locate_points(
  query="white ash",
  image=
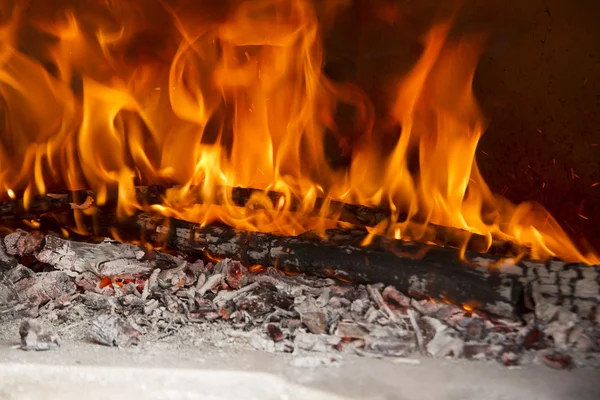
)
(34, 337)
(315, 361)
(318, 320)
(113, 330)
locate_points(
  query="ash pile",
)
(124, 295)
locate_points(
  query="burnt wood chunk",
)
(105, 259)
(418, 270)
(12, 211)
(496, 286)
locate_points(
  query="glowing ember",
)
(123, 93)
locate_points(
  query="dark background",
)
(538, 82)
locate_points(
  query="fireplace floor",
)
(119, 318)
(175, 370)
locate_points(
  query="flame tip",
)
(244, 102)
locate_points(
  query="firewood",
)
(436, 274)
(357, 215)
(418, 269)
(482, 282)
(16, 209)
(107, 259)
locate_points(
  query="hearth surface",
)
(179, 369)
(105, 303)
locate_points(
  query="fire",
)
(118, 94)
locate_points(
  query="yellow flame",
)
(118, 94)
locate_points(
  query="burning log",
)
(357, 215)
(420, 270)
(65, 201)
(107, 259)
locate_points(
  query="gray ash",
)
(121, 295)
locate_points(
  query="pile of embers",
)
(123, 294)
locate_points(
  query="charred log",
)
(65, 201)
(357, 215)
(484, 282)
(420, 270)
(106, 259)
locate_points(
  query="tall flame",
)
(114, 94)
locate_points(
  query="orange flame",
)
(114, 94)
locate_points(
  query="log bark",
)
(363, 216)
(106, 259)
(340, 257)
(65, 201)
(16, 210)
(360, 216)
(496, 286)
(484, 282)
(417, 269)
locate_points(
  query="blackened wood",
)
(363, 216)
(357, 215)
(483, 282)
(64, 201)
(105, 259)
(497, 286)
(419, 270)
(15, 209)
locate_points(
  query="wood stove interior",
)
(538, 81)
